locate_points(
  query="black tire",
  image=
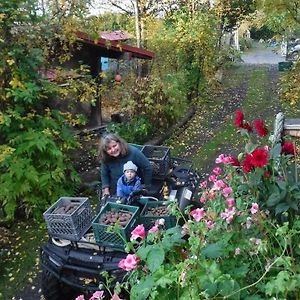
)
(54, 289)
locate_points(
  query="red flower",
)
(288, 148)
(239, 119)
(247, 163)
(259, 157)
(234, 161)
(260, 127)
(248, 127)
(267, 174)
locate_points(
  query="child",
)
(129, 181)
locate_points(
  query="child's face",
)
(129, 174)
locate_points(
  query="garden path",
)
(248, 86)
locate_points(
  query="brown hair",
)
(103, 145)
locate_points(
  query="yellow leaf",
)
(10, 61)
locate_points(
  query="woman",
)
(114, 152)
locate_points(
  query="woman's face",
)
(113, 149)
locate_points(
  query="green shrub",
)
(137, 130)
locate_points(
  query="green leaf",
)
(275, 151)
(281, 184)
(296, 195)
(142, 289)
(155, 258)
(227, 286)
(213, 251)
(143, 252)
(253, 297)
(250, 147)
(294, 206)
(172, 237)
(281, 207)
(279, 284)
(273, 199)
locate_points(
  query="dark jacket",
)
(125, 187)
(113, 170)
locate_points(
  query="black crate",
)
(108, 238)
(149, 220)
(160, 159)
(70, 226)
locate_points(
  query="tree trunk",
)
(138, 33)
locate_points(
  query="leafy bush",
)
(242, 244)
(36, 139)
(136, 130)
(290, 86)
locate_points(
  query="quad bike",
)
(70, 268)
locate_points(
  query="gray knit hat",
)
(130, 166)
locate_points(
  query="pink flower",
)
(230, 202)
(209, 224)
(138, 232)
(153, 229)
(203, 184)
(211, 195)
(98, 295)
(115, 297)
(198, 214)
(227, 160)
(121, 265)
(219, 184)
(229, 219)
(220, 159)
(228, 214)
(227, 191)
(217, 171)
(81, 297)
(212, 178)
(129, 263)
(254, 208)
(202, 200)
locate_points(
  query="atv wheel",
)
(53, 289)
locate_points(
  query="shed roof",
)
(116, 47)
(117, 35)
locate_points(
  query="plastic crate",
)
(160, 159)
(109, 238)
(69, 226)
(149, 220)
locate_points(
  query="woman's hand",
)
(105, 191)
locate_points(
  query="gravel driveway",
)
(258, 56)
